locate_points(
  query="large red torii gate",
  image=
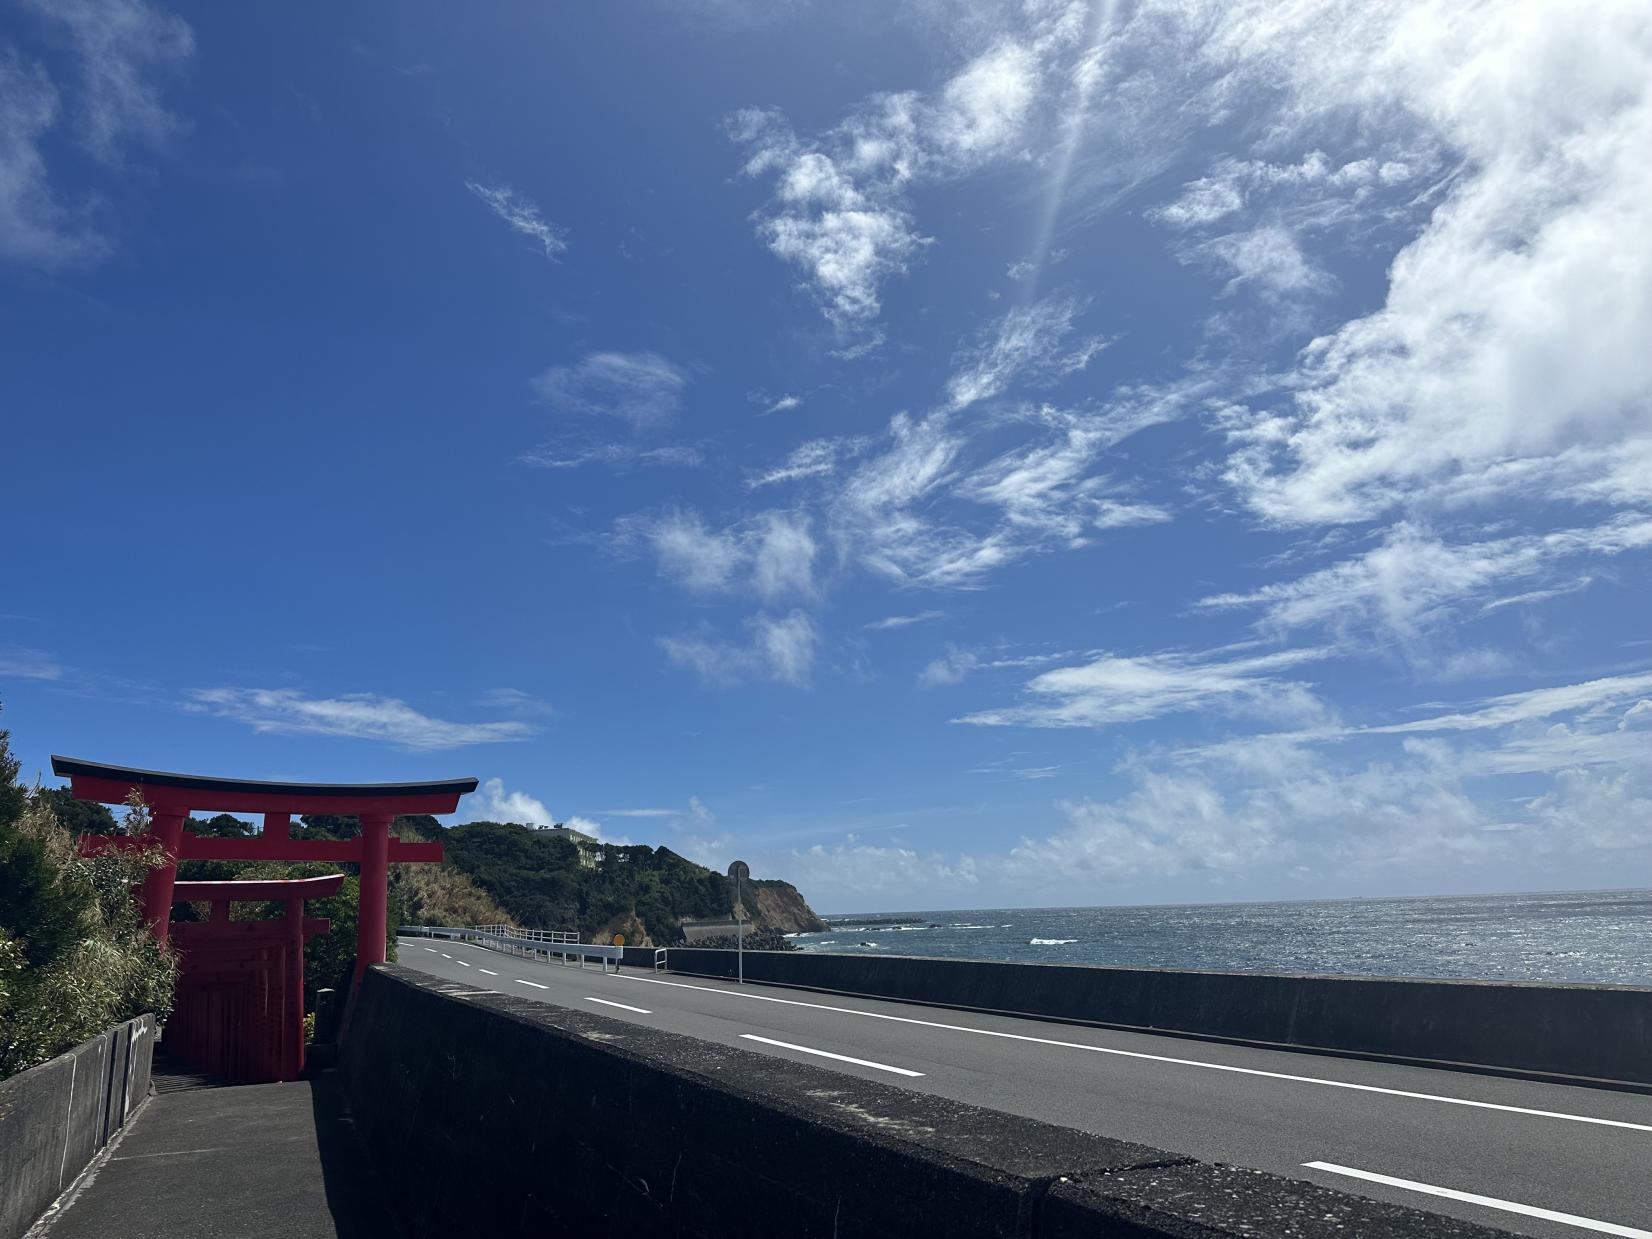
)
(171, 798)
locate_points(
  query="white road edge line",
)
(842, 1058)
(535, 984)
(490, 972)
(1491, 1202)
(1157, 1058)
(622, 1006)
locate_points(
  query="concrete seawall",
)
(1589, 1032)
(54, 1118)
(491, 1114)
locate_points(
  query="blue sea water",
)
(1600, 936)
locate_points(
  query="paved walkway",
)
(221, 1163)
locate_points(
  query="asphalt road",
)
(1534, 1158)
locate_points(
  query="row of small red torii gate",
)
(239, 1010)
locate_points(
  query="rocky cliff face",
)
(781, 906)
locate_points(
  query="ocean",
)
(1600, 936)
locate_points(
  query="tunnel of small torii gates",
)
(240, 1009)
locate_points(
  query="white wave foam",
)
(1051, 941)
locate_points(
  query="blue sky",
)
(947, 455)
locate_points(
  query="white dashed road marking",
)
(1491, 1202)
(842, 1058)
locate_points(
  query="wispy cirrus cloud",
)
(1415, 579)
(890, 622)
(781, 648)
(522, 216)
(1029, 343)
(1590, 696)
(21, 663)
(840, 210)
(619, 456)
(1111, 690)
(817, 458)
(124, 51)
(642, 389)
(361, 716)
(772, 555)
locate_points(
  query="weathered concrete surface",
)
(496, 1115)
(55, 1117)
(234, 1163)
(1589, 1032)
(1202, 1201)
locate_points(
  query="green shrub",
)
(75, 956)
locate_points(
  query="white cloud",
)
(772, 555)
(1515, 324)
(858, 872)
(35, 228)
(846, 238)
(522, 216)
(19, 663)
(840, 209)
(514, 700)
(1414, 579)
(643, 389)
(1029, 342)
(1204, 201)
(890, 622)
(121, 46)
(784, 405)
(984, 109)
(697, 558)
(1510, 708)
(1111, 690)
(951, 669)
(361, 716)
(780, 648)
(783, 562)
(815, 458)
(1268, 258)
(492, 803)
(786, 646)
(621, 456)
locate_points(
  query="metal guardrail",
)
(532, 935)
(566, 946)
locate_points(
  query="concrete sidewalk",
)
(220, 1163)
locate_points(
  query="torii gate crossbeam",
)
(172, 797)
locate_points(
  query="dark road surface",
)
(1535, 1158)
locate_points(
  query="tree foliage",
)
(74, 955)
(550, 881)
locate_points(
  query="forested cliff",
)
(551, 879)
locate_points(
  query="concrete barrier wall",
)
(55, 1117)
(1596, 1032)
(491, 1114)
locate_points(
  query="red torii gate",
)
(240, 1001)
(171, 797)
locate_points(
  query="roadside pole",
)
(738, 872)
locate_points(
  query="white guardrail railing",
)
(526, 943)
